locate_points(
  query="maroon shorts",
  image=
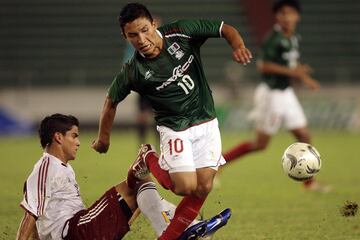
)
(106, 219)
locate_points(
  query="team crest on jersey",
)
(179, 54)
(175, 49)
(148, 74)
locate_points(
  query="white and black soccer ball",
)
(301, 161)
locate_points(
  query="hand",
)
(311, 83)
(301, 71)
(100, 146)
(242, 55)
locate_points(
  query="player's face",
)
(141, 33)
(287, 17)
(71, 143)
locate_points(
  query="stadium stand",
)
(331, 39)
(52, 43)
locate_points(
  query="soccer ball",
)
(301, 161)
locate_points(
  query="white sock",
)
(156, 209)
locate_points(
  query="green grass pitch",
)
(265, 203)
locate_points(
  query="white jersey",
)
(51, 194)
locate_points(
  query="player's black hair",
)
(132, 11)
(53, 124)
(291, 3)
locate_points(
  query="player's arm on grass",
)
(301, 72)
(102, 143)
(27, 229)
(240, 53)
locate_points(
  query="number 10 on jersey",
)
(186, 84)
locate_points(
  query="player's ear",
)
(157, 21)
(122, 30)
(58, 137)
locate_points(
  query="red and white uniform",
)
(51, 194)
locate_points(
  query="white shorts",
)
(196, 147)
(274, 107)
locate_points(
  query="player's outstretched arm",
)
(102, 143)
(301, 72)
(27, 229)
(240, 53)
(311, 83)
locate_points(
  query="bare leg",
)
(128, 194)
(205, 178)
(184, 183)
(302, 134)
(260, 143)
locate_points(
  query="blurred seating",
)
(52, 43)
(78, 43)
(331, 36)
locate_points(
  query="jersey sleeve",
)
(37, 192)
(195, 29)
(201, 28)
(120, 86)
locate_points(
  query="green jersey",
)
(174, 81)
(282, 50)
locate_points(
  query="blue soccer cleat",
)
(207, 227)
(216, 222)
(193, 232)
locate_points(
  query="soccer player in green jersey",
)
(166, 69)
(275, 100)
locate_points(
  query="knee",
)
(203, 189)
(184, 189)
(305, 137)
(259, 146)
(302, 135)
